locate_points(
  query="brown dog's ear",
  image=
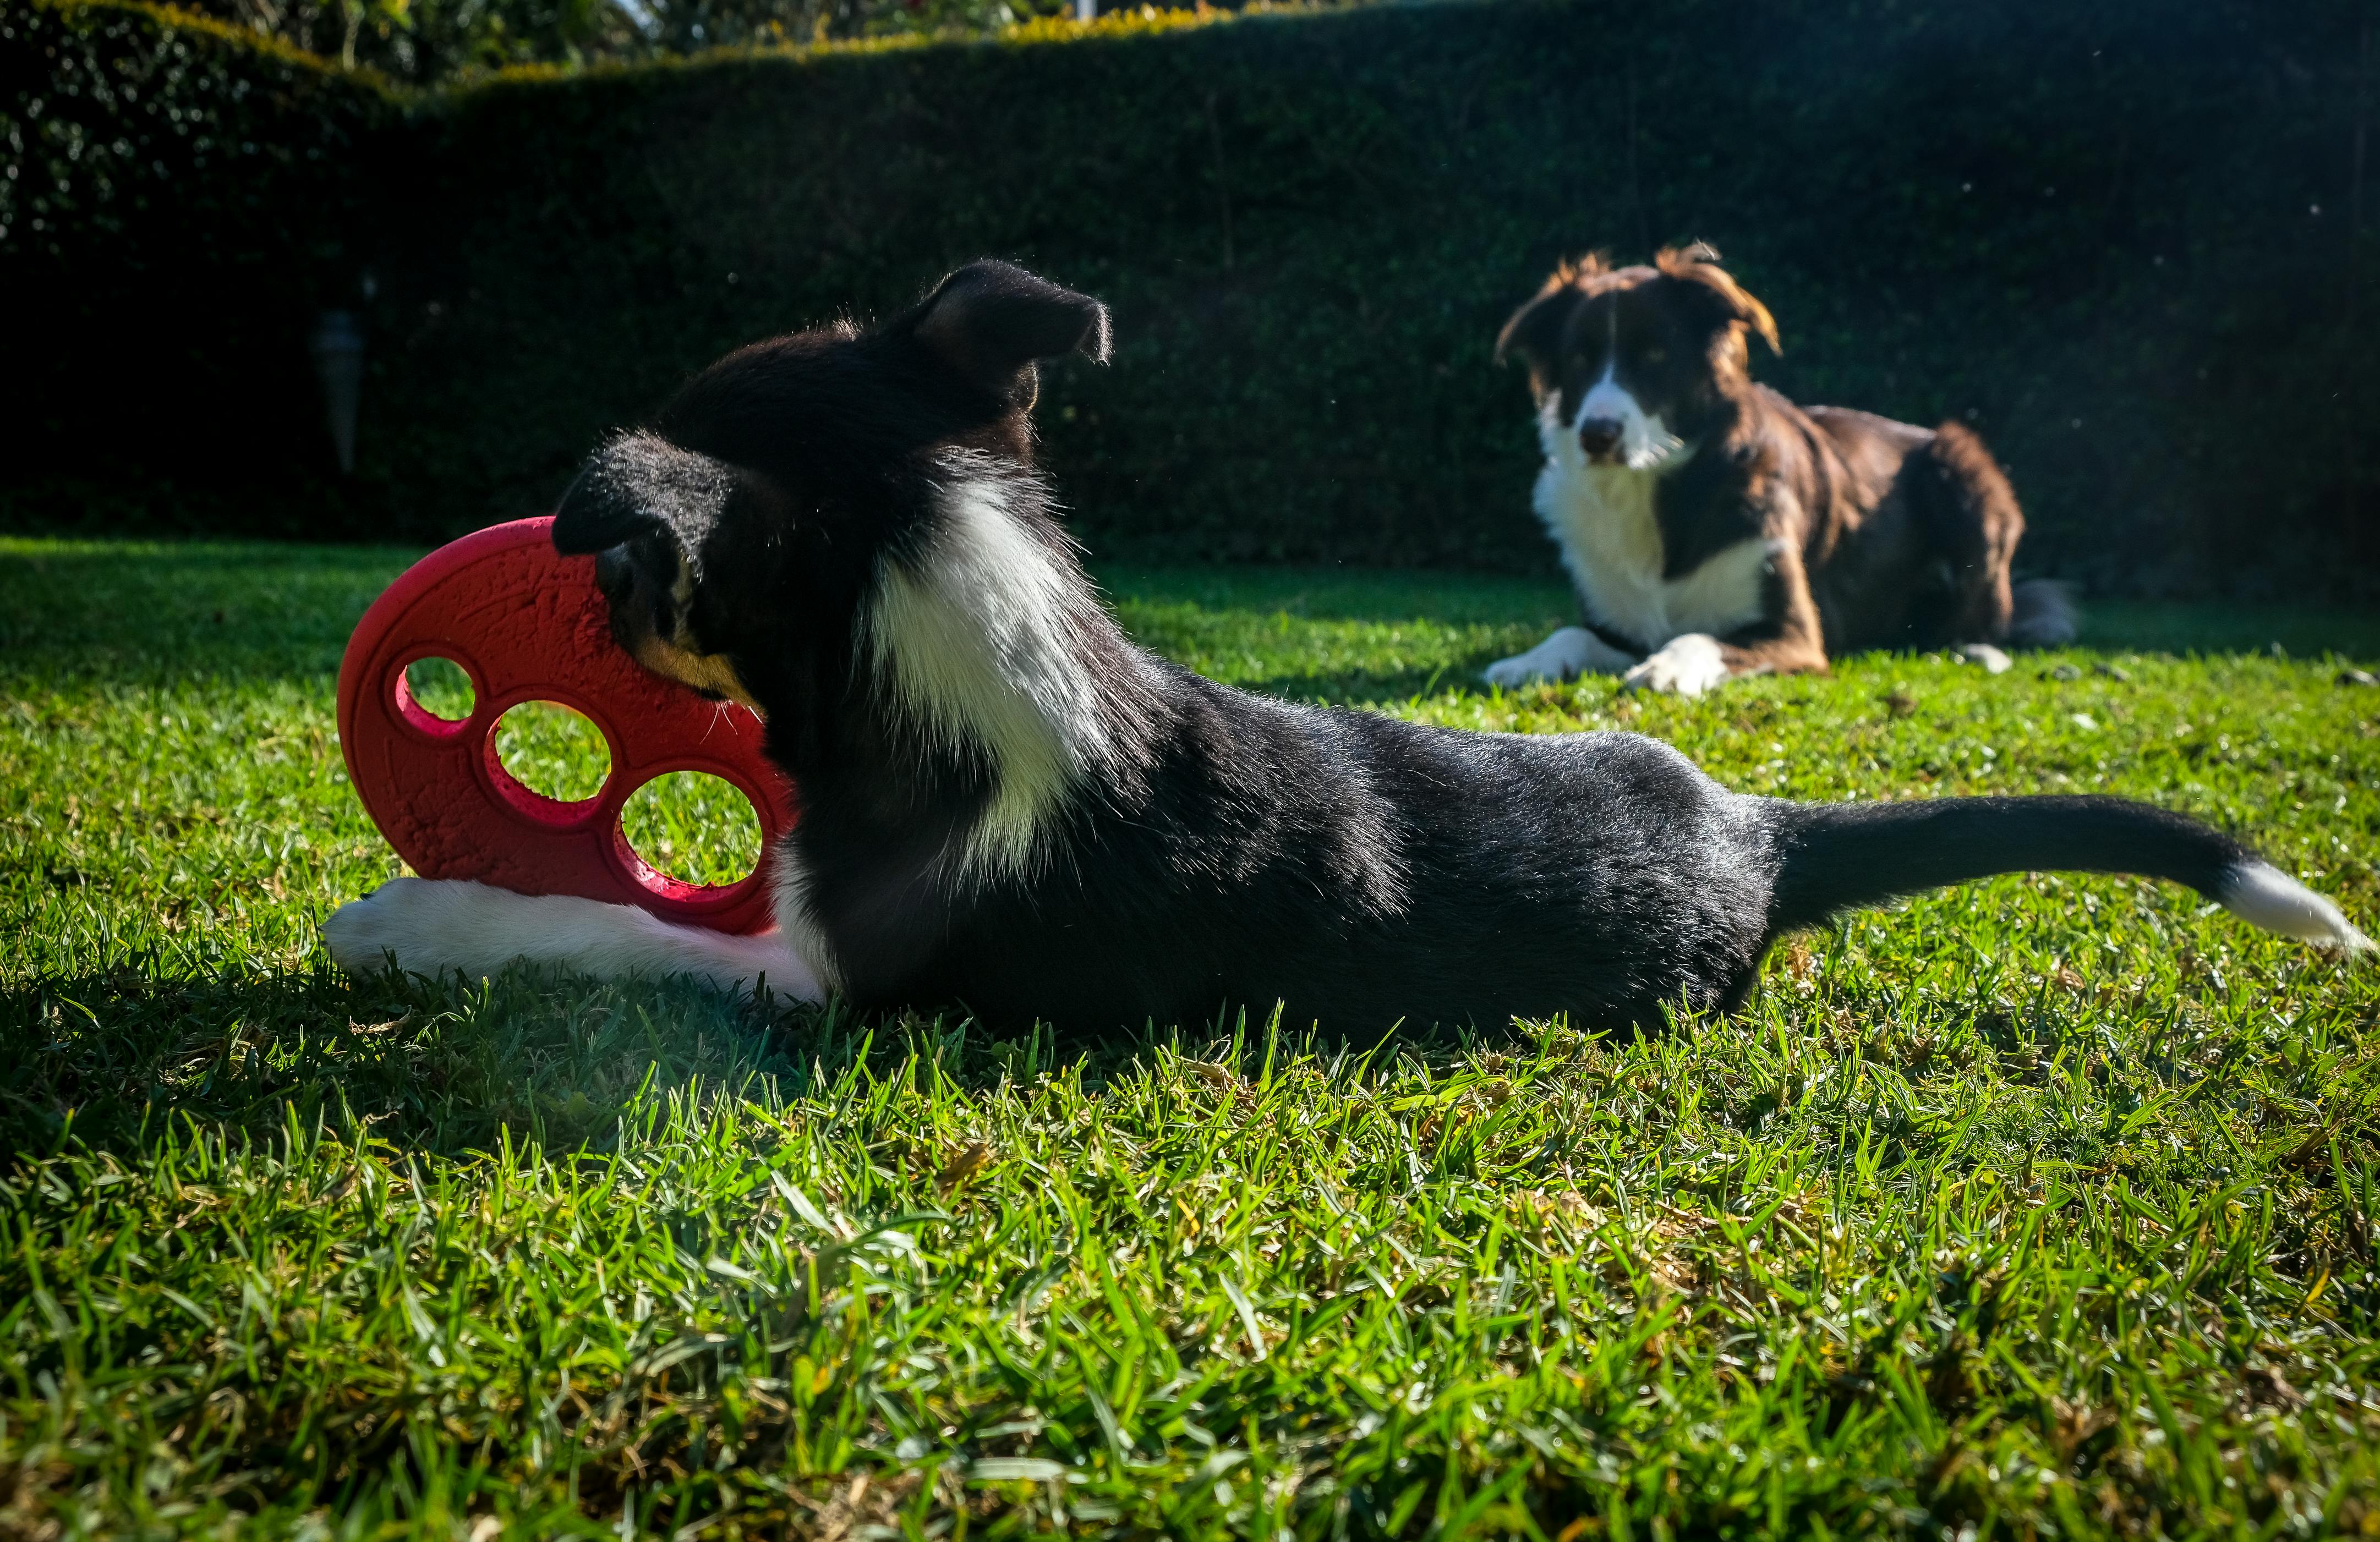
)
(1699, 265)
(990, 321)
(1534, 335)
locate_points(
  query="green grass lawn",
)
(2044, 1206)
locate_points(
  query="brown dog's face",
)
(736, 536)
(1628, 363)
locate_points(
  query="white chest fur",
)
(1603, 518)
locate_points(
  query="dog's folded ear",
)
(641, 484)
(1734, 305)
(1534, 336)
(990, 321)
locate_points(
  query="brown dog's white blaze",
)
(1712, 527)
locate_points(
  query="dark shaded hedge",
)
(176, 200)
(2115, 237)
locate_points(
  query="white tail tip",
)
(2263, 895)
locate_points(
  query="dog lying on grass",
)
(1713, 528)
(1009, 806)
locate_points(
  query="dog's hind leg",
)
(1969, 513)
(435, 927)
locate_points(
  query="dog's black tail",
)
(1839, 856)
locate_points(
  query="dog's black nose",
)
(1599, 436)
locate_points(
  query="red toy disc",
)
(528, 624)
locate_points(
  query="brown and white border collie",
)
(1716, 530)
(1007, 804)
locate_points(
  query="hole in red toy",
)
(693, 827)
(436, 688)
(553, 751)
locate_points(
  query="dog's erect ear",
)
(1534, 335)
(641, 484)
(1699, 265)
(990, 321)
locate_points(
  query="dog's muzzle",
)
(1599, 436)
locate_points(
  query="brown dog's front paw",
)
(1686, 666)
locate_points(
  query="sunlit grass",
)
(2042, 1207)
(693, 826)
(553, 751)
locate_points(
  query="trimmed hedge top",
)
(124, 120)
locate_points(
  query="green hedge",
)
(2113, 237)
(176, 200)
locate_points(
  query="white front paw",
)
(1521, 669)
(417, 926)
(1570, 652)
(1687, 666)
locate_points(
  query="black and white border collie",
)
(1009, 807)
(1713, 529)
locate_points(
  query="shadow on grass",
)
(145, 612)
(111, 1061)
(1366, 688)
(105, 1060)
(1344, 593)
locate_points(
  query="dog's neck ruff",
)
(1606, 521)
(980, 640)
